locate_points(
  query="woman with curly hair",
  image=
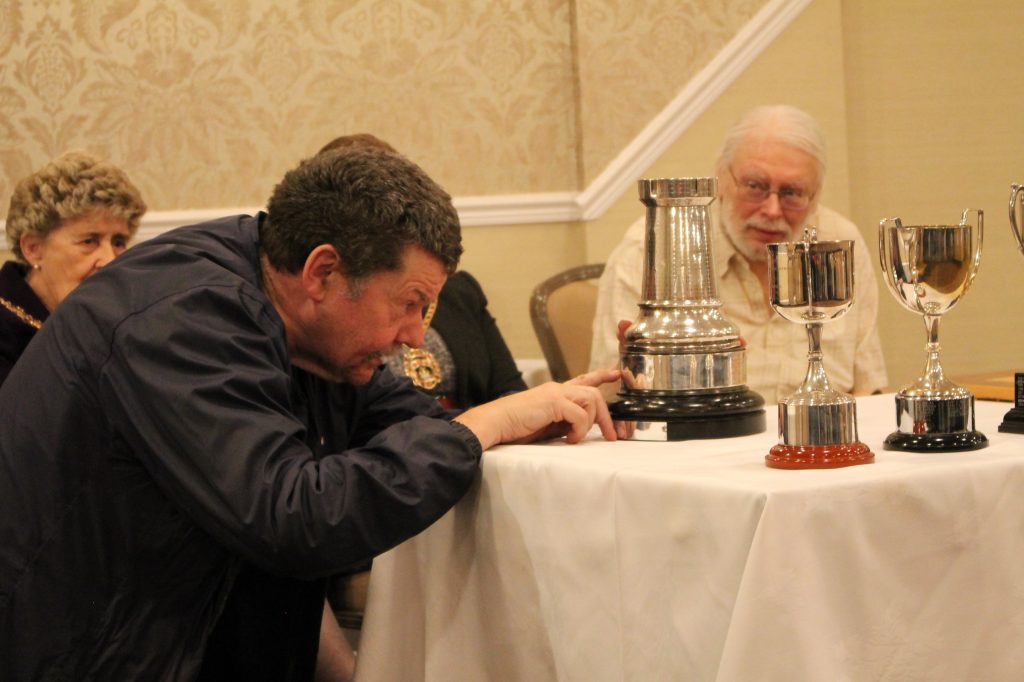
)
(65, 221)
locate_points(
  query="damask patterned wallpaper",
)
(207, 102)
(635, 57)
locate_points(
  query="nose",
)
(411, 333)
(772, 207)
(105, 253)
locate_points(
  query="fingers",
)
(595, 378)
(623, 326)
(578, 421)
(586, 407)
(550, 410)
(604, 421)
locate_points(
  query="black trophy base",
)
(1013, 421)
(936, 442)
(666, 416)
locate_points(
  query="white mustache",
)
(779, 226)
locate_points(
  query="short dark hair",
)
(355, 140)
(368, 203)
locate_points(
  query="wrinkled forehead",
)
(778, 161)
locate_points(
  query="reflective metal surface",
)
(809, 422)
(923, 415)
(811, 283)
(684, 368)
(680, 341)
(1015, 192)
(653, 431)
(679, 370)
(928, 269)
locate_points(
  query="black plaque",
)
(1013, 422)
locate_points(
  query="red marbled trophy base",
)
(819, 456)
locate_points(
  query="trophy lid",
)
(655, 191)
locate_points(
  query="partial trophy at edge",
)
(1013, 422)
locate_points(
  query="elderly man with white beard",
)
(770, 173)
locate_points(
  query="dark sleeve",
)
(5, 369)
(200, 388)
(481, 356)
(389, 400)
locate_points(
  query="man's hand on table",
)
(551, 410)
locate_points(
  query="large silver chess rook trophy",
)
(1013, 421)
(928, 269)
(812, 283)
(684, 367)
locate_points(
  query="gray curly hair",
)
(72, 185)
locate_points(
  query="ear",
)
(322, 266)
(32, 247)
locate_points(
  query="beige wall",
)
(934, 99)
(920, 102)
(802, 66)
(206, 104)
(634, 58)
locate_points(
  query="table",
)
(693, 561)
(989, 385)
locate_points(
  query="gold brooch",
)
(419, 364)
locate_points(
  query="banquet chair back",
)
(562, 311)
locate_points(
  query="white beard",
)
(735, 230)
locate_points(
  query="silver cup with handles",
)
(812, 283)
(928, 269)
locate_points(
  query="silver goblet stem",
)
(816, 379)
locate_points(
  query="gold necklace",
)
(21, 314)
(419, 364)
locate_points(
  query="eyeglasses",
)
(757, 191)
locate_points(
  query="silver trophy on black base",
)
(812, 284)
(684, 368)
(928, 269)
(1013, 422)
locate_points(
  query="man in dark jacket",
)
(202, 432)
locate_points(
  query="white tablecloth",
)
(693, 561)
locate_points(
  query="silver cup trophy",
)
(684, 367)
(811, 283)
(1013, 422)
(928, 269)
